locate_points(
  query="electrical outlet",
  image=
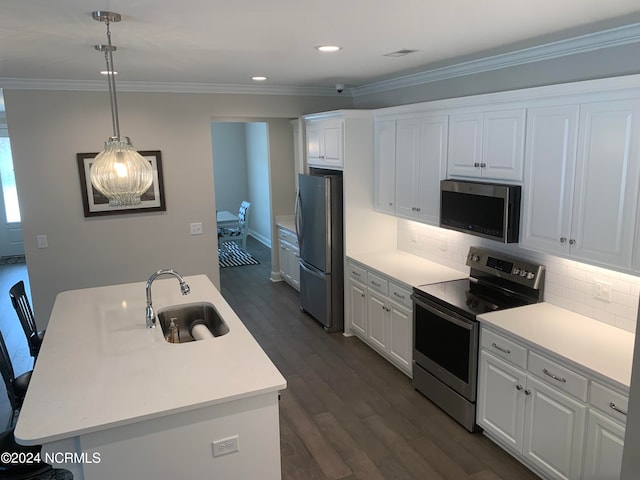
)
(602, 290)
(226, 445)
(196, 228)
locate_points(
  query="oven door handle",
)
(448, 316)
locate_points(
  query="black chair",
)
(16, 386)
(20, 470)
(21, 304)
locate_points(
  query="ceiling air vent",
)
(400, 53)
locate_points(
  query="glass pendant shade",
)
(120, 173)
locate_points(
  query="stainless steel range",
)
(445, 329)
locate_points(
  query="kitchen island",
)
(110, 398)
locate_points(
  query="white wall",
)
(48, 128)
(229, 164)
(257, 147)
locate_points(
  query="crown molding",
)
(165, 87)
(585, 43)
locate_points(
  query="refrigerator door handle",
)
(298, 218)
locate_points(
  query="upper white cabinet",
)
(385, 166)
(324, 143)
(487, 145)
(581, 181)
(410, 162)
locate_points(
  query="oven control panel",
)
(505, 266)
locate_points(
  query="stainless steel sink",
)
(187, 316)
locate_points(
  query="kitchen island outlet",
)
(110, 398)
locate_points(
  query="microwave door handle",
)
(453, 318)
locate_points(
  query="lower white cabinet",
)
(289, 257)
(558, 421)
(603, 452)
(380, 313)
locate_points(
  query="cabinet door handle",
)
(502, 349)
(362, 295)
(391, 204)
(613, 407)
(548, 373)
(355, 274)
(527, 392)
(483, 165)
(376, 284)
(563, 240)
(476, 164)
(417, 209)
(572, 242)
(518, 387)
(398, 295)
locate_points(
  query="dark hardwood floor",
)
(347, 413)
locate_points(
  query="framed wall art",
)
(96, 204)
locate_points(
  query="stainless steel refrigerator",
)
(318, 220)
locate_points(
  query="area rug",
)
(231, 255)
(12, 260)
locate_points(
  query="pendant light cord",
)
(111, 76)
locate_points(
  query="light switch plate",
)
(602, 290)
(196, 228)
(42, 241)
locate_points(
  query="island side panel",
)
(180, 445)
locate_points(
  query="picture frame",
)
(96, 204)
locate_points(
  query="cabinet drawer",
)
(357, 273)
(609, 402)
(400, 295)
(283, 234)
(378, 283)
(501, 347)
(558, 376)
(293, 239)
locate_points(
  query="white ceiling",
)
(226, 42)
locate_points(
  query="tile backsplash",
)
(570, 285)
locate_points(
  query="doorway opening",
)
(11, 241)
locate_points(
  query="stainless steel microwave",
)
(488, 210)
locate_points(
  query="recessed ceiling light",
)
(258, 78)
(107, 72)
(328, 48)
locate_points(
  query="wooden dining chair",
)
(237, 234)
(16, 386)
(22, 307)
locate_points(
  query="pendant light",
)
(119, 172)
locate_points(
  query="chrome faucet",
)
(184, 288)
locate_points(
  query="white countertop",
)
(600, 348)
(100, 367)
(407, 268)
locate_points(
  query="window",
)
(11, 207)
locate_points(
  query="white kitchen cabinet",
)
(377, 308)
(605, 433)
(550, 156)
(552, 416)
(603, 453)
(553, 430)
(324, 143)
(582, 181)
(380, 312)
(384, 197)
(487, 145)
(289, 257)
(500, 400)
(358, 307)
(410, 162)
